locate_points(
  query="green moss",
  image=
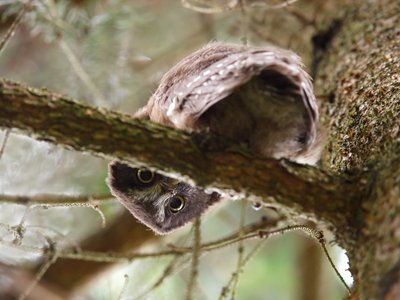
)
(367, 100)
(364, 132)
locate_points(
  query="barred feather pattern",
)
(271, 80)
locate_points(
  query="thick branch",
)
(56, 119)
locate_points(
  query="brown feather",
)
(269, 79)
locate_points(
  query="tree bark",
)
(359, 70)
(356, 65)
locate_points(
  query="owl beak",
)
(169, 184)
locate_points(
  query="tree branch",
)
(53, 199)
(198, 159)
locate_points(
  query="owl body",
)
(256, 96)
(259, 97)
(268, 124)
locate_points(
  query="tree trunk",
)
(359, 71)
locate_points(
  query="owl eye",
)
(145, 176)
(177, 203)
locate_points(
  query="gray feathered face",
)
(161, 203)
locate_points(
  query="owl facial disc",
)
(159, 202)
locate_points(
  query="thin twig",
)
(244, 22)
(128, 257)
(269, 38)
(64, 205)
(4, 142)
(204, 6)
(195, 259)
(21, 228)
(63, 237)
(242, 265)
(113, 257)
(101, 214)
(10, 32)
(334, 267)
(175, 265)
(196, 250)
(55, 199)
(235, 274)
(240, 249)
(51, 260)
(81, 73)
(249, 231)
(301, 17)
(285, 3)
(315, 234)
(124, 286)
(73, 59)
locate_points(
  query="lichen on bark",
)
(363, 120)
(363, 112)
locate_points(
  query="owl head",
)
(159, 202)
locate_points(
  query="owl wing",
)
(189, 99)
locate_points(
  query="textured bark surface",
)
(360, 73)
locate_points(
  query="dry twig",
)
(51, 260)
(54, 199)
(195, 259)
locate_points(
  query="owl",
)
(259, 97)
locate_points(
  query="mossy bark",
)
(359, 72)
